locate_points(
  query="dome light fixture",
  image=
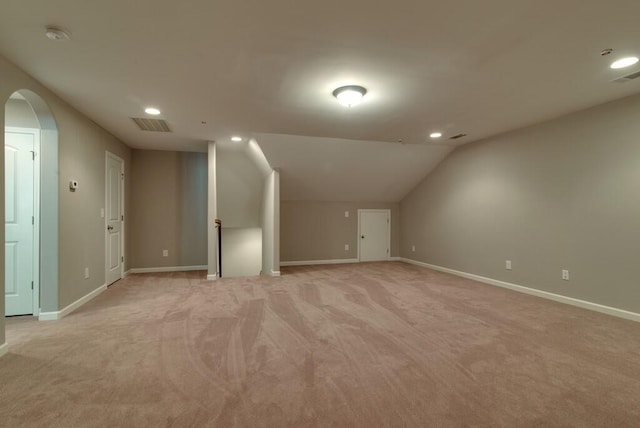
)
(435, 135)
(236, 139)
(624, 62)
(57, 34)
(152, 111)
(349, 95)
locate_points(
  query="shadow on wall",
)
(191, 191)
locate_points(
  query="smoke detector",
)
(57, 34)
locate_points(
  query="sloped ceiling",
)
(330, 169)
(256, 68)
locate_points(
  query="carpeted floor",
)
(370, 345)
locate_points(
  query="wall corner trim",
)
(167, 269)
(620, 313)
(51, 316)
(4, 349)
(319, 262)
(275, 273)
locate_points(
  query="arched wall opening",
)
(43, 119)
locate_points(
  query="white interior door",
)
(19, 154)
(114, 218)
(374, 234)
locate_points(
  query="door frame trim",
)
(388, 211)
(108, 155)
(36, 213)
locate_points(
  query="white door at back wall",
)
(19, 154)
(374, 234)
(114, 217)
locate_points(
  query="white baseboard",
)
(51, 316)
(620, 313)
(126, 273)
(395, 259)
(275, 273)
(213, 277)
(167, 269)
(319, 262)
(4, 348)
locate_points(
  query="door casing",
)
(109, 155)
(359, 240)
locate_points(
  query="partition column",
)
(212, 214)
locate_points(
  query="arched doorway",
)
(31, 206)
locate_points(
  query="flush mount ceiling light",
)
(152, 111)
(435, 135)
(349, 95)
(624, 62)
(236, 139)
(56, 34)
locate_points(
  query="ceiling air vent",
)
(455, 137)
(154, 125)
(628, 77)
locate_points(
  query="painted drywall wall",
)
(239, 188)
(320, 230)
(19, 113)
(169, 197)
(241, 251)
(559, 195)
(82, 146)
(271, 224)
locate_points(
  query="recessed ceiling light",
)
(349, 95)
(436, 135)
(624, 62)
(57, 34)
(152, 111)
(236, 139)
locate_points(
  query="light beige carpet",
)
(371, 345)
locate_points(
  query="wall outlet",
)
(507, 265)
(413, 248)
(565, 274)
(86, 273)
(346, 247)
(165, 253)
(346, 214)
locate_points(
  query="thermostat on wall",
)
(73, 185)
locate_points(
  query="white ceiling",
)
(252, 67)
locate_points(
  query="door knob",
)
(362, 237)
(109, 227)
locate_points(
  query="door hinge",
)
(122, 259)
(33, 220)
(387, 251)
(122, 217)
(122, 175)
(33, 155)
(32, 285)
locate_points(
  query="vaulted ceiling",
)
(258, 68)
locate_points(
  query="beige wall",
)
(82, 146)
(564, 194)
(169, 192)
(319, 230)
(239, 189)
